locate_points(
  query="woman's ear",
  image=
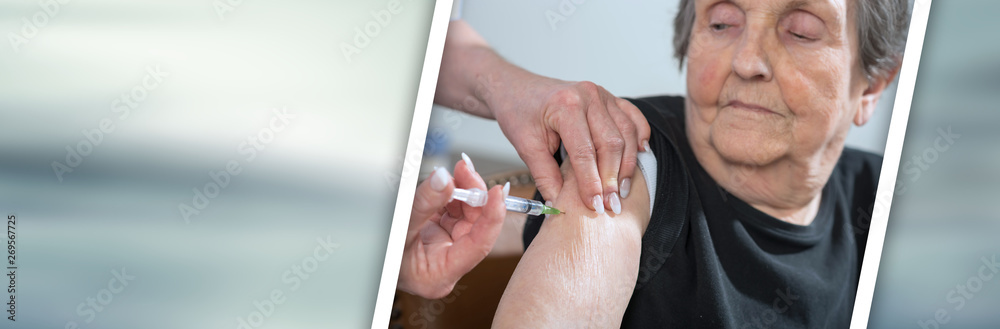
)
(871, 95)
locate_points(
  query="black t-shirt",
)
(710, 260)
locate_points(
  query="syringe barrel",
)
(477, 198)
(522, 205)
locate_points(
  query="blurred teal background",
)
(947, 216)
(332, 173)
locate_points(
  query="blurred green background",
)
(332, 173)
(945, 218)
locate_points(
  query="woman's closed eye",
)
(724, 16)
(719, 26)
(803, 26)
(801, 37)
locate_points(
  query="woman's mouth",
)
(750, 107)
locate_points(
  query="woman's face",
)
(773, 79)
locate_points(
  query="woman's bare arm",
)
(581, 268)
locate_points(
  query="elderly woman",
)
(743, 212)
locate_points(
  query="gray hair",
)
(881, 25)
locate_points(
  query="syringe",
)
(477, 198)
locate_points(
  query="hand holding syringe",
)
(446, 239)
(477, 198)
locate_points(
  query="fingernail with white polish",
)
(506, 190)
(616, 204)
(468, 162)
(440, 179)
(624, 188)
(645, 146)
(598, 204)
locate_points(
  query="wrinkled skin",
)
(773, 87)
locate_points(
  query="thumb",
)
(431, 197)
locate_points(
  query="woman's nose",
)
(750, 60)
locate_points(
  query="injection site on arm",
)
(581, 268)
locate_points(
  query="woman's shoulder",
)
(665, 114)
(668, 106)
(856, 162)
(858, 172)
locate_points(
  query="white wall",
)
(624, 46)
